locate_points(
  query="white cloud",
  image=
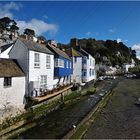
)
(136, 47)
(119, 40)
(112, 30)
(5, 10)
(88, 33)
(39, 26)
(138, 57)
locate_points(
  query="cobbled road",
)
(120, 119)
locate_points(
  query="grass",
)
(32, 115)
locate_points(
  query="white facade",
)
(5, 54)
(127, 66)
(88, 68)
(36, 73)
(38, 78)
(77, 70)
(111, 71)
(12, 97)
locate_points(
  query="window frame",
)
(59, 63)
(7, 81)
(48, 61)
(36, 60)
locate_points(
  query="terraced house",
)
(77, 65)
(37, 62)
(62, 65)
(88, 62)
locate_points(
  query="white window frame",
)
(59, 63)
(70, 65)
(36, 60)
(48, 61)
(43, 81)
(67, 64)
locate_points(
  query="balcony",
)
(51, 93)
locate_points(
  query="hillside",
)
(108, 52)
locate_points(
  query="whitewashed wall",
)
(91, 66)
(77, 70)
(20, 52)
(12, 97)
(5, 54)
(35, 73)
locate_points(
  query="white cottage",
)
(77, 65)
(12, 87)
(88, 62)
(38, 64)
(88, 67)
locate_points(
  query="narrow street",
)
(120, 119)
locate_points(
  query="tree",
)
(29, 32)
(8, 24)
(4, 22)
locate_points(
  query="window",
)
(43, 81)
(93, 62)
(59, 63)
(56, 63)
(90, 62)
(84, 73)
(36, 60)
(75, 59)
(93, 72)
(48, 62)
(90, 72)
(7, 81)
(67, 64)
(70, 65)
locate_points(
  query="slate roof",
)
(35, 46)
(10, 68)
(58, 51)
(83, 52)
(5, 47)
(72, 52)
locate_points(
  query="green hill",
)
(109, 52)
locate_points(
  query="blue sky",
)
(62, 20)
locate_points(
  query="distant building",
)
(126, 66)
(12, 87)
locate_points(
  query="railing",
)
(51, 93)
